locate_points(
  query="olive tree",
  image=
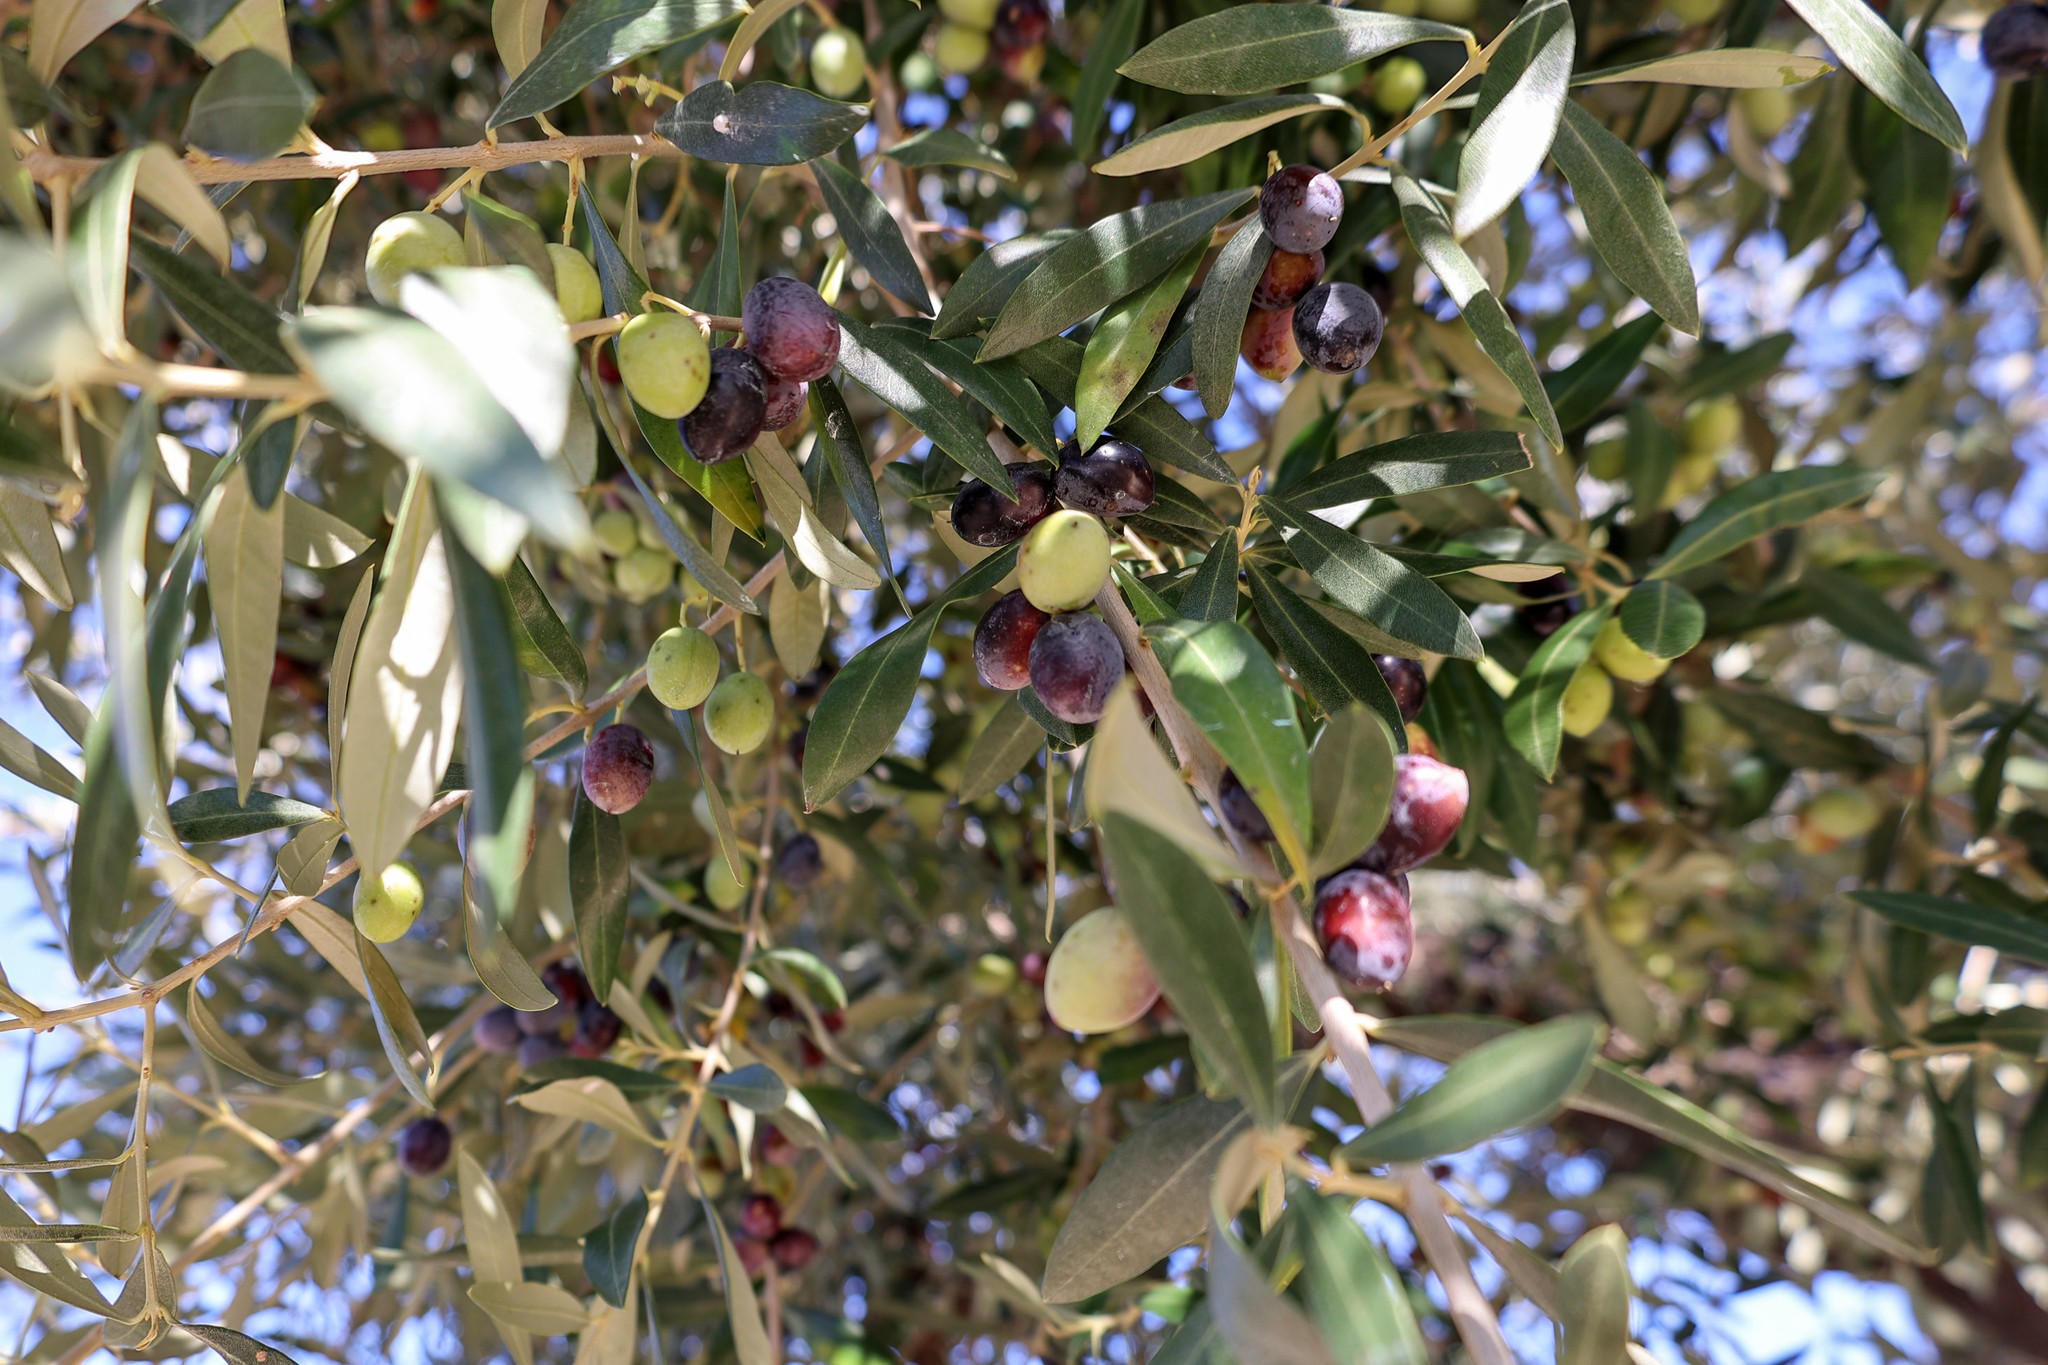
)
(1181, 681)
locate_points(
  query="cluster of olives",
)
(1038, 635)
(722, 399)
(2015, 40)
(1015, 30)
(642, 566)
(1589, 696)
(759, 1237)
(410, 242)
(682, 672)
(1364, 919)
(1335, 326)
(578, 1024)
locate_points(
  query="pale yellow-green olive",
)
(682, 667)
(739, 712)
(577, 292)
(838, 63)
(1064, 561)
(1588, 697)
(1623, 657)
(960, 50)
(665, 363)
(387, 904)
(1097, 980)
(406, 243)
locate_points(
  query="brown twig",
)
(46, 166)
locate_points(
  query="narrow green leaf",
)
(1881, 60)
(227, 1049)
(227, 317)
(949, 147)
(1256, 1323)
(1614, 1093)
(1121, 24)
(544, 645)
(1117, 256)
(33, 764)
(1220, 311)
(742, 1309)
(1411, 464)
(413, 389)
(839, 439)
(1722, 68)
(1582, 388)
(1001, 386)
(599, 883)
(1962, 921)
(1152, 1194)
(501, 782)
(99, 254)
(1594, 1291)
(1627, 220)
(1514, 1081)
(1351, 783)
(890, 368)
(1248, 49)
(237, 1349)
(873, 238)
(1491, 327)
(398, 1028)
(609, 1247)
(1197, 950)
(761, 124)
(216, 815)
(1121, 347)
(1235, 694)
(1355, 1294)
(43, 1268)
(1760, 506)
(1989, 784)
(1521, 98)
(1195, 136)
(752, 1087)
(1010, 740)
(1535, 715)
(1375, 585)
(1211, 592)
(1155, 426)
(990, 278)
(1860, 612)
(1954, 1178)
(1906, 183)
(596, 36)
(864, 706)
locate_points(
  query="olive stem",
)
(44, 165)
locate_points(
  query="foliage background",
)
(1772, 997)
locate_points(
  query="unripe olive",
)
(838, 63)
(665, 363)
(1064, 562)
(387, 904)
(1607, 460)
(1837, 816)
(1588, 697)
(1712, 427)
(918, 72)
(1766, 109)
(1692, 13)
(1397, 85)
(1629, 915)
(1451, 11)
(616, 531)
(979, 14)
(577, 292)
(991, 977)
(643, 574)
(405, 243)
(1624, 658)
(960, 50)
(721, 888)
(682, 667)
(1098, 980)
(739, 712)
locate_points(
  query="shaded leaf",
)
(227, 317)
(608, 1249)
(1351, 783)
(1411, 464)
(1962, 921)
(1211, 591)
(761, 124)
(597, 35)
(1375, 585)
(1354, 1292)
(1582, 388)
(1594, 1291)
(872, 236)
(249, 107)
(886, 365)
(1195, 136)
(1121, 347)
(1197, 951)
(237, 1349)
(1663, 618)
(1627, 220)
(1759, 506)
(599, 881)
(1121, 24)
(1220, 311)
(1010, 740)
(1118, 255)
(1246, 49)
(217, 814)
(752, 1087)
(991, 277)
(949, 147)
(1535, 715)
